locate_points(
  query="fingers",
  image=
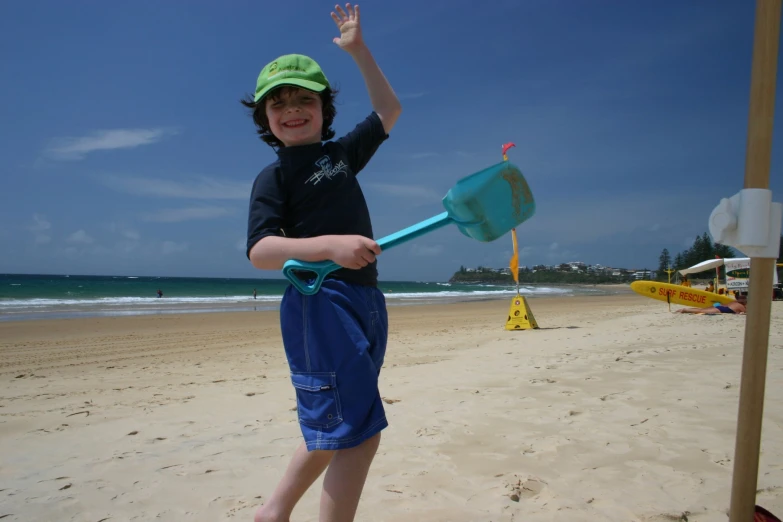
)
(353, 13)
(367, 256)
(372, 246)
(361, 262)
(341, 13)
(363, 251)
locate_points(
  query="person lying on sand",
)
(736, 307)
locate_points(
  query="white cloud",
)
(589, 218)
(406, 191)
(40, 223)
(170, 247)
(426, 250)
(40, 228)
(76, 148)
(201, 188)
(422, 155)
(411, 95)
(80, 237)
(177, 215)
(558, 254)
(241, 244)
(123, 231)
(126, 246)
(524, 252)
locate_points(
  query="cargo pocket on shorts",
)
(318, 402)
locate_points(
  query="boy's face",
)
(295, 116)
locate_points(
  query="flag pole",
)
(754, 360)
(668, 299)
(513, 264)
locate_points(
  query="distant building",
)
(571, 267)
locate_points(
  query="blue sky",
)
(125, 150)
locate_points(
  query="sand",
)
(615, 410)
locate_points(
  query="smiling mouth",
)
(294, 123)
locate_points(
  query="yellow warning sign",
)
(520, 317)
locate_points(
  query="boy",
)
(308, 205)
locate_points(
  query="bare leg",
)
(344, 481)
(697, 310)
(304, 469)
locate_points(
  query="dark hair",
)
(258, 112)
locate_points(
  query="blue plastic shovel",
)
(484, 206)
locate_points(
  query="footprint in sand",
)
(524, 489)
(539, 381)
(668, 517)
(428, 432)
(233, 505)
(720, 458)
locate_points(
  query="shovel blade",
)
(488, 204)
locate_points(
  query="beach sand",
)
(615, 410)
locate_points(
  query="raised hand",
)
(349, 26)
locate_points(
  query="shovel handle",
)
(321, 269)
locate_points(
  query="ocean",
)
(30, 297)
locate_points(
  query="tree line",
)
(703, 249)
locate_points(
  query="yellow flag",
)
(514, 263)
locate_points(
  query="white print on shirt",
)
(326, 170)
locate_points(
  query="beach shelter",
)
(732, 263)
(750, 222)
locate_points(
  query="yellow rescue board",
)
(677, 294)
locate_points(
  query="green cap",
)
(292, 69)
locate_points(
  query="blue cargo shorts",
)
(335, 342)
